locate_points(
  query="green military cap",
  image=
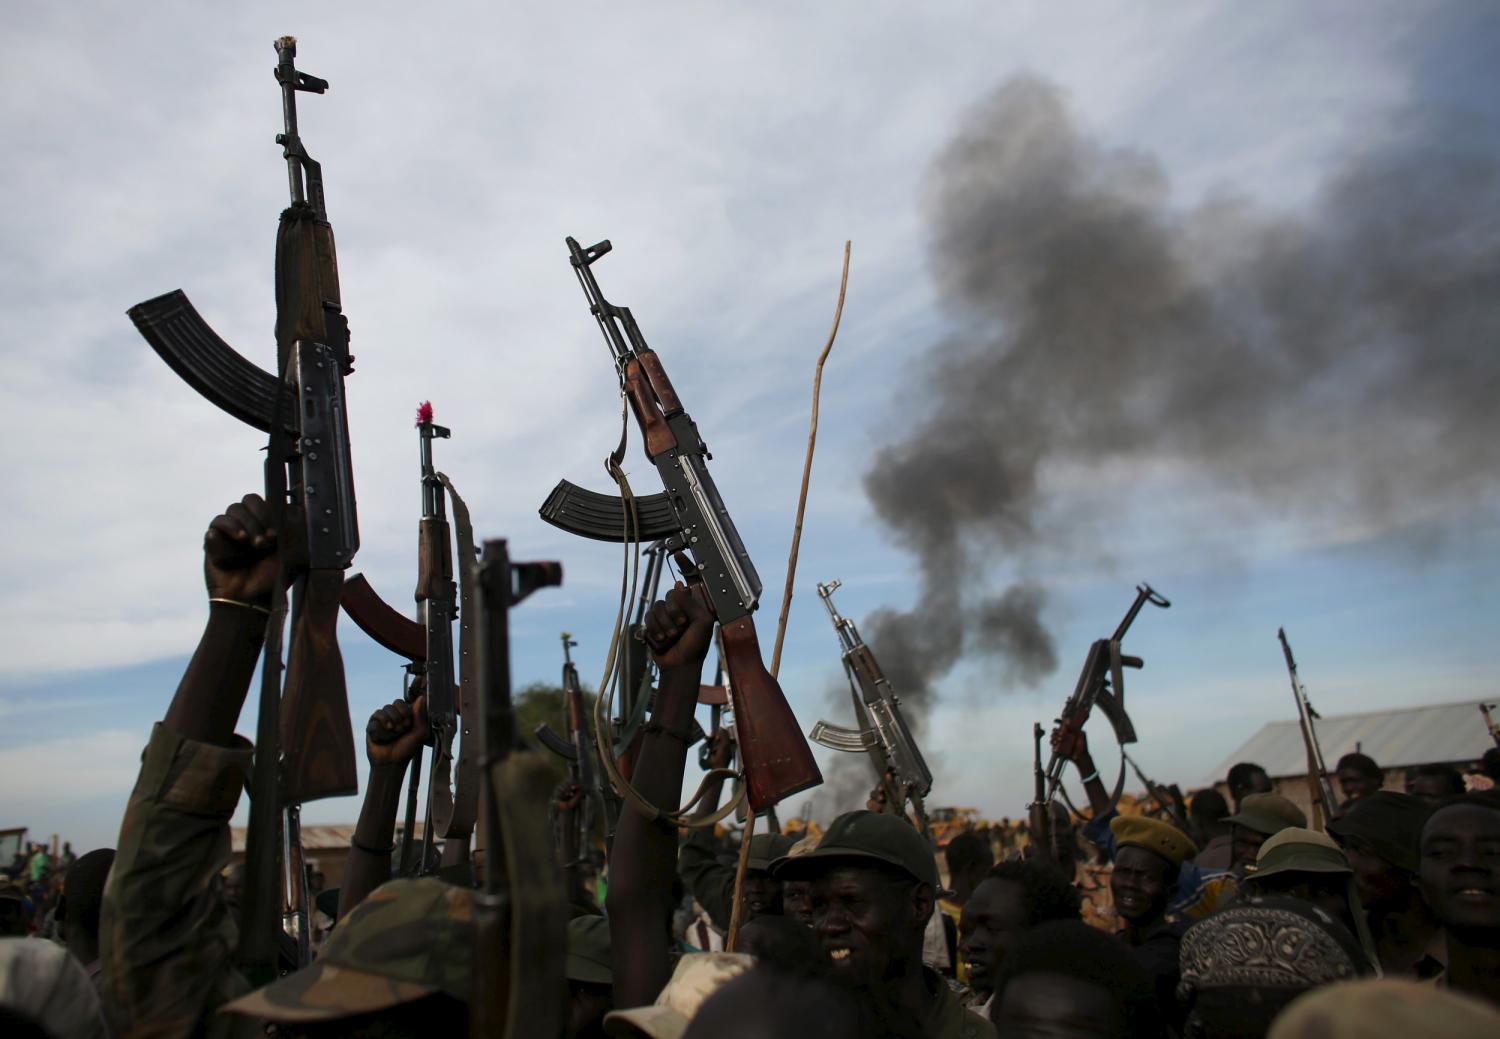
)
(868, 837)
(1163, 838)
(407, 940)
(1300, 850)
(766, 848)
(1390, 823)
(588, 951)
(1267, 814)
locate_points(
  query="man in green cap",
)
(874, 883)
(1259, 816)
(1382, 834)
(590, 977)
(710, 881)
(1307, 865)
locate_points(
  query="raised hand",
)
(239, 553)
(679, 629)
(395, 731)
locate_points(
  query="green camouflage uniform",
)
(166, 937)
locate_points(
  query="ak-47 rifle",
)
(691, 518)
(882, 732)
(520, 912)
(1101, 684)
(1489, 722)
(427, 645)
(583, 768)
(1039, 811)
(304, 741)
(1167, 798)
(1319, 788)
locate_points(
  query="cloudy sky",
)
(1204, 296)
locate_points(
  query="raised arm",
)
(392, 737)
(643, 859)
(167, 937)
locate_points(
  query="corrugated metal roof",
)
(315, 838)
(1452, 732)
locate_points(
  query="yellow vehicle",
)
(947, 823)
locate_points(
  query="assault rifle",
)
(304, 741)
(690, 517)
(1039, 811)
(882, 732)
(427, 645)
(1320, 790)
(1167, 798)
(1101, 684)
(520, 913)
(583, 767)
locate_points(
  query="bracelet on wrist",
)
(264, 610)
(1091, 776)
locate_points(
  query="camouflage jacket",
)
(166, 936)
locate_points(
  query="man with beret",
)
(874, 882)
(1149, 854)
(1381, 834)
(1460, 880)
(1196, 890)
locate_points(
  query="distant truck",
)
(12, 843)
(947, 823)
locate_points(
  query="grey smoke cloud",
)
(1337, 363)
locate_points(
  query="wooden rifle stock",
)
(777, 760)
(648, 414)
(317, 741)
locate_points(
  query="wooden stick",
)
(738, 911)
(812, 439)
(786, 596)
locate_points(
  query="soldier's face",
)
(867, 924)
(762, 894)
(992, 918)
(1139, 884)
(1244, 845)
(796, 901)
(1461, 868)
(1355, 784)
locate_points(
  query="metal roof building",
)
(1452, 733)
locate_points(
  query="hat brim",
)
(659, 1022)
(820, 860)
(324, 992)
(1289, 868)
(1259, 823)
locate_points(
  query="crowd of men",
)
(1235, 918)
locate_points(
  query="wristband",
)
(247, 605)
(1091, 776)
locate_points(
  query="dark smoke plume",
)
(1342, 364)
